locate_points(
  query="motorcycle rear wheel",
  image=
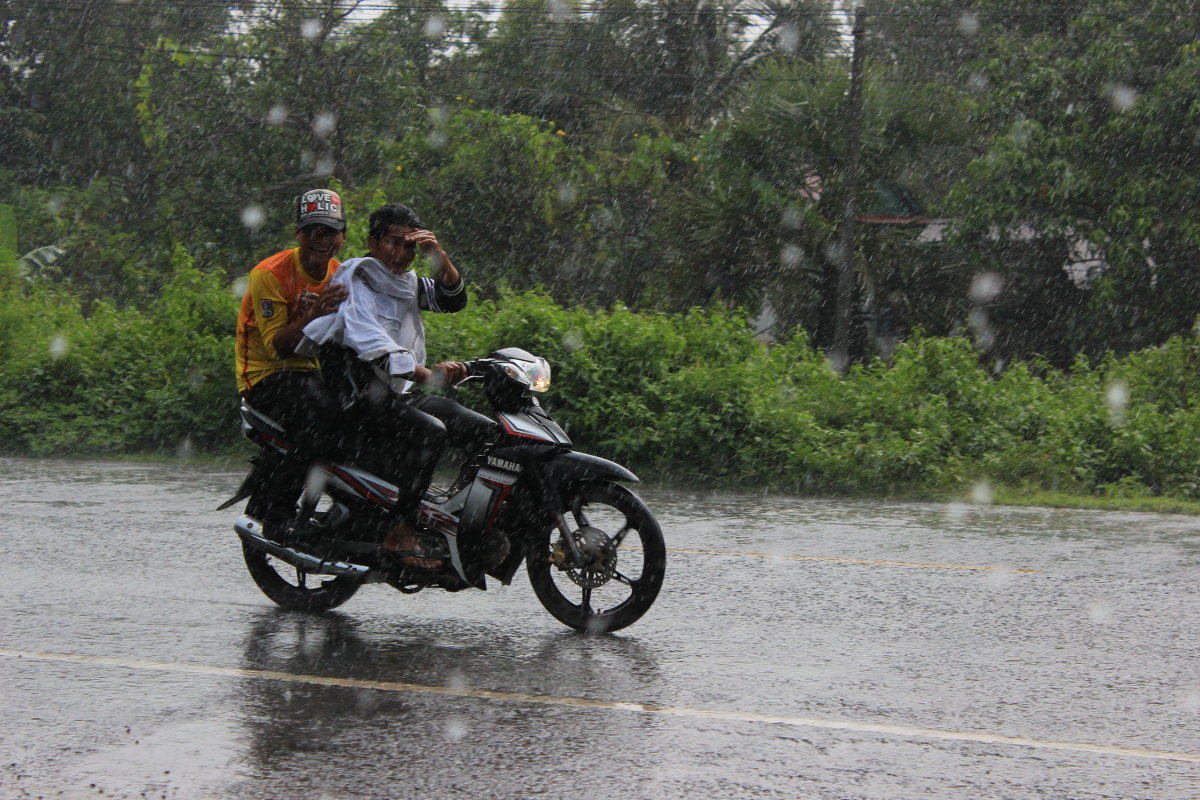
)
(295, 589)
(617, 593)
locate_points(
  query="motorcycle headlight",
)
(539, 375)
(535, 375)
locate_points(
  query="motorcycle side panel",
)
(358, 483)
(486, 495)
(536, 426)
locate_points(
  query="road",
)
(801, 648)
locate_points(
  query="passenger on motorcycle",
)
(284, 293)
(373, 349)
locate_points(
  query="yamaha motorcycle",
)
(593, 551)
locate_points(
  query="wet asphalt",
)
(801, 648)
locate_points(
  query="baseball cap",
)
(322, 207)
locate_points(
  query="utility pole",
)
(840, 353)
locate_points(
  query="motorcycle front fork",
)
(572, 555)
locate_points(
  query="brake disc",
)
(599, 558)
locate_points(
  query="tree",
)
(620, 63)
(504, 192)
(69, 68)
(1092, 113)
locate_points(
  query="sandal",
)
(417, 559)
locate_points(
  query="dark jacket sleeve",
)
(432, 296)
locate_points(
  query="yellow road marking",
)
(883, 729)
(852, 560)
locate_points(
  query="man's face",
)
(318, 244)
(394, 248)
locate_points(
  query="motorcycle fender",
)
(246, 489)
(254, 478)
(571, 465)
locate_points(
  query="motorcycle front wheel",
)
(295, 589)
(626, 561)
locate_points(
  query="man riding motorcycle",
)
(380, 324)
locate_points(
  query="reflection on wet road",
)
(801, 648)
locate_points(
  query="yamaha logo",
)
(510, 466)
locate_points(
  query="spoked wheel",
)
(625, 558)
(294, 588)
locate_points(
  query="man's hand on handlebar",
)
(443, 374)
(452, 372)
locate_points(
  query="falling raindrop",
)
(602, 219)
(324, 123)
(238, 287)
(985, 288)
(437, 139)
(982, 326)
(253, 217)
(834, 253)
(791, 255)
(59, 346)
(982, 494)
(366, 700)
(185, 451)
(572, 340)
(559, 11)
(791, 218)
(567, 193)
(456, 729)
(968, 23)
(999, 576)
(1021, 132)
(277, 115)
(310, 28)
(324, 166)
(435, 26)
(1124, 98)
(1117, 399)
(789, 38)
(1100, 611)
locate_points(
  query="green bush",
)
(688, 398)
(119, 380)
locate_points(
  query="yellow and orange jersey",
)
(273, 289)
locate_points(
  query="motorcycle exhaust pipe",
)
(250, 530)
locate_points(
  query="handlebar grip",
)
(474, 370)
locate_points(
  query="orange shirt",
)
(273, 288)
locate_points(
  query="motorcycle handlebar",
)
(475, 371)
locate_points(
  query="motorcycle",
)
(594, 553)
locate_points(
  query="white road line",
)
(883, 729)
